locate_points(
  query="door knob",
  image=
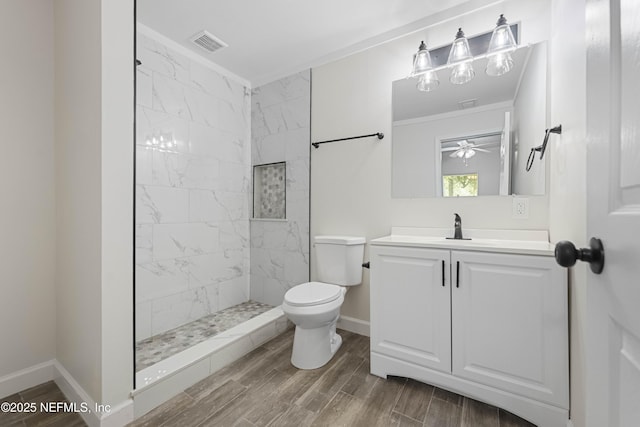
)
(566, 254)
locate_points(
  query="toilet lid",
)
(312, 293)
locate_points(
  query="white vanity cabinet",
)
(411, 305)
(486, 324)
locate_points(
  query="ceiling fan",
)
(467, 149)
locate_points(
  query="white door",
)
(613, 182)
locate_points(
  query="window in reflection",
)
(460, 185)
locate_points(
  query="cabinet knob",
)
(566, 254)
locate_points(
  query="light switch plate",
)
(520, 207)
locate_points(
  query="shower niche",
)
(269, 191)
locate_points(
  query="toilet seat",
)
(312, 293)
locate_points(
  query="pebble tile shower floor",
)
(159, 347)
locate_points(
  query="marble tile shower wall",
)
(192, 190)
(280, 131)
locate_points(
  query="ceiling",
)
(271, 39)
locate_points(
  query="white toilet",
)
(314, 307)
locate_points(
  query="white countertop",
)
(530, 242)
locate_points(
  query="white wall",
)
(78, 195)
(351, 181)
(568, 159)
(94, 173)
(27, 217)
(117, 140)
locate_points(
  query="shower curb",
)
(169, 377)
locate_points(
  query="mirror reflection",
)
(472, 165)
(471, 139)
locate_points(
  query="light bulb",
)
(502, 38)
(499, 64)
(460, 51)
(421, 60)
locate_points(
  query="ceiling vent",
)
(468, 103)
(208, 41)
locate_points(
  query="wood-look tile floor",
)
(47, 392)
(264, 389)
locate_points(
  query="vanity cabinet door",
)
(510, 324)
(411, 305)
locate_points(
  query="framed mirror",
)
(471, 139)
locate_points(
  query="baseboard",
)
(26, 378)
(113, 416)
(351, 324)
(97, 416)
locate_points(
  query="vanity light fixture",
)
(500, 47)
(423, 67)
(461, 54)
(460, 58)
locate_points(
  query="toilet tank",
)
(339, 259)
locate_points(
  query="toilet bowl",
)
(314, 307)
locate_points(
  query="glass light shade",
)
(462, 73)
(428, 81)
(460, 51)
(421, 60)
(466, 153)
(502, 38)
(499, 64)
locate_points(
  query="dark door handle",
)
(567, 254)
(442, 272)
(457, 274)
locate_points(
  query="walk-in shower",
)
(204, 266)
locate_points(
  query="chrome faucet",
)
(457, 233)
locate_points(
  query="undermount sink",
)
(507, 241)
(450, 241)
(475, 242)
